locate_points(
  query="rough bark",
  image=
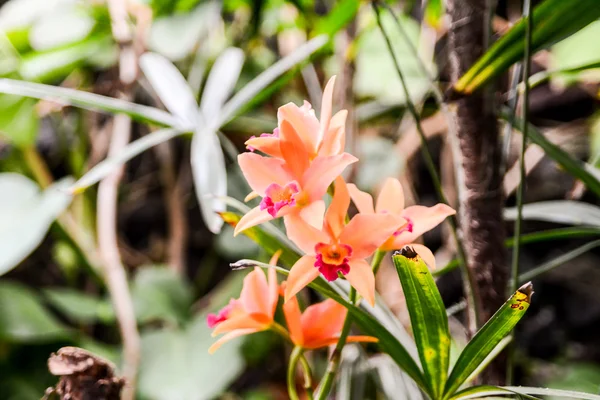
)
(480, 151)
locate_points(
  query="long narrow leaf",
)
(486, 339)
(427, 317)
(87, 100)
(105, 167)
(477, 392)
(559, 211)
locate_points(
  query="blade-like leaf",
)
(87, 100)
(488, 337)
(340, 15)
(249, 91)
(559, 211)
(105, 167)
(210, 176)
(172, 89)
(477, 392)
(553, 20)
(220, 82)
(427, 317)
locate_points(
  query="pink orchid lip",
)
(277, 197)
(213, 320)
(330, 270)
(408, 227)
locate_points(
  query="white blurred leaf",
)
(559, 211)
(105, 167)
(60, 27)
(210, 176)
(26, 214)
(220, 82)
(172, 88)
(17, 14)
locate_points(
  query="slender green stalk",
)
(467, 276)
(377, 259)
(514, 279)
(291, 372)
(307, 377)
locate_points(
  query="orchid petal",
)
(260, 172)
(366, 232)
(423, 219)
(322, 172)
(323, 320)
(334, 140)
(291, 311)
(362, 200)
(335, 216)
(252, 218)
(251, 196)
(243, 321)
(390, 198)
(362, 279)
(301, 274)
(292, 150)
(304, 122)
(265, 144)
(230, 336)
(255, 293)
(303, 234)
(326, 107)
(425, 253)
(313, 213)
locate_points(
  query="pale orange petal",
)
(252, 218)
(301, 274)
(326, 107)
(252, 195)
(228, 337)
(291, 311)
(391, 197)
(334, 139)
(335, 216)
(293, 151)
(423, 219)
(243, 321)
(266, 144)
(303, 234)
(322, 172)
(366, 232)
(313, 213)
(261, 171)
(304, 122)
(362, 200)
(255, 293)
(425, 253)
(362, 278)
(323, 320)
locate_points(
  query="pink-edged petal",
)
(260, 172)
(335, 216)
(301, 274)
(293, 315)
(334, 139)
(323, 320)
(228, 337)
(265, 144)
(293, 151)
(362, 200)
(252, 218)
(326, 107)
(366, 232)
(313, 213)
(238, 322)
(362, 279)
(303, 121)
(303, 234)
(425, 253)
(423, 219)
(391, 197)
(255, 293)
(322, 172)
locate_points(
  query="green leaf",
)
(87, 100)
(553, 20)
(26, 215)
(427, 317)
(79, 306)
(559, 211)
(574, 53)
(105, 167)
(24, 319)
(340, 15)
(488, 337)
(19, 122)
(477, 392)
(434, 11)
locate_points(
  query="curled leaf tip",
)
(527, 289)
(407, 252)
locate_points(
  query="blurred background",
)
(52, 293)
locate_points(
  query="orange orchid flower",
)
(318, 138)
(419, 219)
(319, 325)
(339, 247)
(252, 312)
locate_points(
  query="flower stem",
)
(291, 373)
(307, 376)
(377, 259)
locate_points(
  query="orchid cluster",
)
(299, 162)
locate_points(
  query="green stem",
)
(291, 373)
(307, 377)
(469, 280)
(514, 279)
(377, 259)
